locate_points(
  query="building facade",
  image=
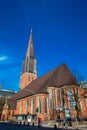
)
(54, 95)
(5, 95)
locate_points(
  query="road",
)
(10, 126)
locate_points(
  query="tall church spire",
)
(29, 63)
(30, 50)
(28, 73)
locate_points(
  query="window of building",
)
(13, 113)
(62, 97)
(40, 105)
(86, 100)
(70, 99)
(27, 106)
(46, 105)
(56, 98)
(20, 107)
(28, 102)
(50, 99)
(33, 105)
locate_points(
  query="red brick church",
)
(53, 95)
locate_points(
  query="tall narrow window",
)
(55, 98)
(86, 100)
(20, 107)
(13, 113)
(46, 105)
(27, 104)
(50, 99)
(70, 99)
(40, 105)
(33, 106)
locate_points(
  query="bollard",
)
(28, 123)
(38, 125)
(55, 127)
(24, 122)
(65, 126)
(33, 124)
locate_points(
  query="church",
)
(51, 96)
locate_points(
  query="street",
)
(10, 126)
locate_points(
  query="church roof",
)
(12, 104)
(58, 77)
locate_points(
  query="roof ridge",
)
(49, 77)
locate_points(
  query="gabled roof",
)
(58, 77)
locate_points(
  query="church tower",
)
(28, 73)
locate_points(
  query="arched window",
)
(20, 107)
(27, 105)
(13, 113)
(71, 100)
(55, 98)
(46, 105)
(33, 106)
(40, 105)
(50, 99)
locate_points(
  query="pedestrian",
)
(29, 120)
(38, 122)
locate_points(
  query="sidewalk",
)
(81, 126)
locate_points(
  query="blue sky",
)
(59, 35)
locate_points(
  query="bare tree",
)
(77, 74)
(77, 97)
(2, 102)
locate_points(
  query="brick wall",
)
(57, 103)
(26, 78)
